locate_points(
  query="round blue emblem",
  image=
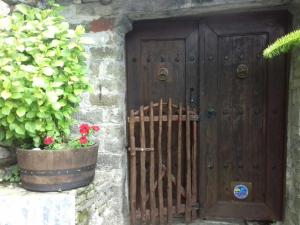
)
(241, 191)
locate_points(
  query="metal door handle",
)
(192, 99)
(211, 113)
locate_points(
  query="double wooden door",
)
(215, 65)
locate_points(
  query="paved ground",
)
(206, 222)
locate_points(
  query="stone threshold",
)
(217, 222)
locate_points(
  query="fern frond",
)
(283, 44)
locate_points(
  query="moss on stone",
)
(83, 217)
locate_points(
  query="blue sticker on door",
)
(241, 191)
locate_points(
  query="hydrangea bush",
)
(42, 74)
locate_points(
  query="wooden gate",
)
(163, 177)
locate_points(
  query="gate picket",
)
(160, 176)
(143, 167)
(169, 162)
(152, 168)
(188, 168)
(178, 184)
(171, 153)
(132, 170)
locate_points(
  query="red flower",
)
(95, 128)
(84, 129)
(83, 140)
(48, 140)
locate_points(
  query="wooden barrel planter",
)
(47, 170)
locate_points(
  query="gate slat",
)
(160, 183)
(143, 167)
(188, 169)
(194, 168)
(178, 179)
(132, 171)
(169, 163)
(152, 169)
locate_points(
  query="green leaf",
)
(24, 9)
(29, 68)
(30, 114)
(11, 118)
(21, 111)
(2, 134)
(5, 94)
(28, 100)
(30, 126)
(20, 130)
(5, 110)
(16, 95)
(37, 141)
(8, 134)
(80, 30)
(48, 71)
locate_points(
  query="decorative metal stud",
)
(226, 57)
(134, 59)
(210, 58)
(162, 59)
(192, 58)
(225, 112)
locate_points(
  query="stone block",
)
(105, 52)
(107, 100)
(92, 117)
(115, 114)
(111, 161)
(101, 25)
(114, 146)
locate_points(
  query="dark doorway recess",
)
(215, 66)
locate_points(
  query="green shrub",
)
(42, 74)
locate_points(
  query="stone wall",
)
(105, 202)
(292, 213)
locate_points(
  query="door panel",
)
(162, 62)
(242, 144)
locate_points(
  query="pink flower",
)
(83, 140)
(84, 129)
(95, 128)
(48, 140)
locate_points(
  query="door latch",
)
(211, 113)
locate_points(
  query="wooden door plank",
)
(143, 167)
(132, 170)
(169, 163)
(194, 169)
(226, 119)
(209, 124)
(152, 168)
(179, 159)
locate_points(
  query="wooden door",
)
(215, 65)
(162, 63)
(243, 101)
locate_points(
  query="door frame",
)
(255, 17)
